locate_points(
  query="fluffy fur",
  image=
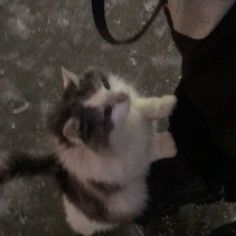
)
(132, 145)
(105, 140)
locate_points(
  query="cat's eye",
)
(106, 84)
(107, 112)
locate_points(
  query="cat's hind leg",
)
(80, 223)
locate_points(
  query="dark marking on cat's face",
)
(94, 124)
(90, 82)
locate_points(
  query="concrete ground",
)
(36, 39)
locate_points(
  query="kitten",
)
(104, 140)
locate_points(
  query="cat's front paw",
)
(165, 106)
(160, 107)
(164, 145)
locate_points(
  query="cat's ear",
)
(121, 107)
(69, 77)
(70, 130)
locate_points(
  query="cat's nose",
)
(120, 97)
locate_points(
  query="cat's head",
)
(93, 105)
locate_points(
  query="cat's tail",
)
(19, 164)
